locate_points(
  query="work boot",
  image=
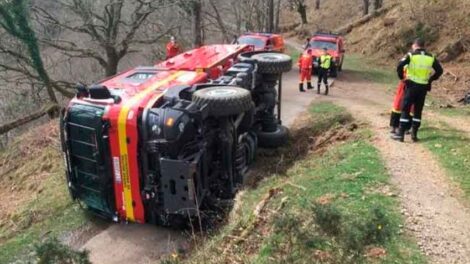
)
(318, 88)
(326, 90)
(414, 134)
(309, 85)
(301, 87)
(400, 136)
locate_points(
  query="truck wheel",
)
(273, 63)
(274, 139)
(224, 100)
(269, 62)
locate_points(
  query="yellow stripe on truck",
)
(122, 134)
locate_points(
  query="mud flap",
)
(178, 186)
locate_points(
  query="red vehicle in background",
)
(334, 43)
(263, 41)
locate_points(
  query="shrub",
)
(377, 229)
(328, 217)
(52, 251)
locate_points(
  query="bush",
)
(52, 251)
(328, 217)
(377, 229)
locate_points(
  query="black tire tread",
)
(224, 105)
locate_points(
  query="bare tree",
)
(270, 25)
(378, 4)
(301, 7)
(365, 7)
(113, 30)
(219, 19)
(14, 19)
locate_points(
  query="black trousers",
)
(415, 95)
(322, 75)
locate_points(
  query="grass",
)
(32, 175)
(328, 207)
(452, 149)
(368, 70)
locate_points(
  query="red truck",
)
(156, 144)
(263, 41)
(334, 43)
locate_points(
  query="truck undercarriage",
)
(154, 144)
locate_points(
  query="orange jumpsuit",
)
(397, 104)
(305, 66)
(172, 49)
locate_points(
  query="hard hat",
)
(172, 38)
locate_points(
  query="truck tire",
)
(224, 100)
(274, 139)
(269, 62)
(273, 63)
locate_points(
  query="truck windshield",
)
(315, 44)
(257, 42)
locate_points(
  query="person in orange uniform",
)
(397, 105)
(172, 48)
(305, 69)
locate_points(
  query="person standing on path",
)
(172, 48)
(324, 65)
(305, 70)
(420, 67)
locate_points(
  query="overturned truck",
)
(153, 144)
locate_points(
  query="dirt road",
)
(431, 205)
(139, 244)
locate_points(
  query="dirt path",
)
(431, 205)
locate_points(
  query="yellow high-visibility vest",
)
(419, 69)
(325, 61)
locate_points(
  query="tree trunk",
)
(302, 10)
(317, 4)
(51, 110)
(197, 23)
(278, 15)
(112, 61)
(270, 16)
(378, 4)
(366, 7)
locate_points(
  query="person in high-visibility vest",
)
(305, 70)
(324, 65)
(422, 69)
(172, 48)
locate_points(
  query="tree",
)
(14, 19)
(301, 8)
(270, 25)
(114, 30)
(378, 4)
(366, 7)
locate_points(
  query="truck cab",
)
(334, 43)
(263, 41)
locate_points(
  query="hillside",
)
(385, 38)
